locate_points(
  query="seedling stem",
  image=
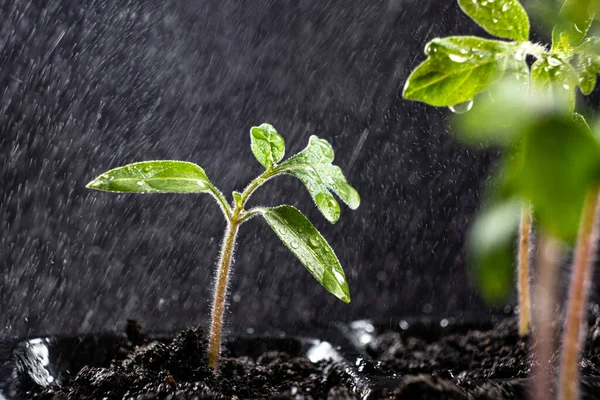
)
(576, 325)
(546, 266)
(523, 270)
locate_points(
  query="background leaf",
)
(574, 20)
(303, 239)
(588, 64)
(267, 145)
(557, 160)
(313, 166)
(503, 18)
(163, 176)
(498, 119)
(492, 240)
(459, 67)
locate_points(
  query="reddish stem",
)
(547, 268)
(576, 324)
(523, 271)
(218, 307)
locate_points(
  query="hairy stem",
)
(523, 271)
(547, 267)
(222, 202)
(575, 325)
(218, 306)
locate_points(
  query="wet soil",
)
(477, 364)
(177, 370)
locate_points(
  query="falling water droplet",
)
(461, 108)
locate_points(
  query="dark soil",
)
(174, 370)
(477, 364)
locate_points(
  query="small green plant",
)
(313, 166)
(551, 163)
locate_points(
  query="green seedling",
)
(551, 158)
(313, 166)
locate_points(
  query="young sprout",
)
(552, 166)
(313, 166)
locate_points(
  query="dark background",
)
(88, 86)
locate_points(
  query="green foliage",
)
(267, 145)
(492, 241)
(502, 18)
(557, 160)
(459, 67)
(303, 239)
(551, 156)
(588, 63)
(313, 166)
(574, 20)
(154, 177)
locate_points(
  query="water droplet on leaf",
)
(294, 244)
(457, 58)
(461, 108)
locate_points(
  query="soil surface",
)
(478, 364)
(177, 370)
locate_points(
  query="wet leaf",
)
(459, 67)
(267, 145)
(503, 18)
(313, 166)
(553, 76)
(303, 239)
(574, 20)
(588, 64)
(163, 176)
(491, 241)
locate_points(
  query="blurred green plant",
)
(313, 166)
(551, 159)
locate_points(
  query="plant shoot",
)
(313, 166)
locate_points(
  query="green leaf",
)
(237, 197)
(154, 177)
(503, 18)
(557, 160)
(459, 67)
(491, 242)
(574, 20)
(553, 76)
(499, 119)
(303, 239)
(588, 63)
(313, 166)
(267, 145)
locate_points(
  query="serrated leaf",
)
(503, 18)
(491, 241)
(557, 160)
(305, 241)
(267, 145)
(164, 176)
(588, 63)
(574, 20)
(553, 76)
(313, 166)
(459, 67)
